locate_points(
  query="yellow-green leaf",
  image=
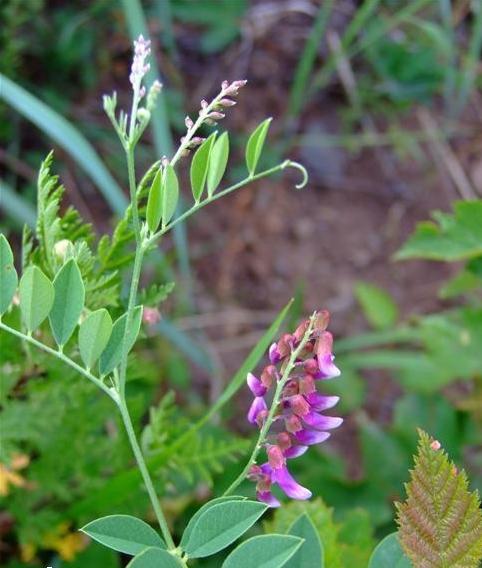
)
(36, 297)
(154, 203)
(94, 334)
(8, 275)
(170, 194)
(112, 354)
(218, 161)
(199, 167)
(255, 145)
(68, 302)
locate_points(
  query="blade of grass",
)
(21, 211)
(65, 135)
(445, 8)
(323, 76)
(469, 68)
(307, 60)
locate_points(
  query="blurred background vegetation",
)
(380, 99)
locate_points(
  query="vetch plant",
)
(64, 282)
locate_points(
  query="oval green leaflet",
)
(123, 533)
(154, 202)
(255, 145)
(389, 553)
(199, 167)
(218, 160)
(194, 519)
(220, 525)
(310, 553)
(8, 275)
(94, 334)
(155, 558)
(265, 551)
(68, 302)
(170, 194)
(36, 297)
(112, 354)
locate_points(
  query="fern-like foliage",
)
(440, 523)
(100, 264)
(204, 454)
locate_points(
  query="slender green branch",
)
(145, 475)
(230, 189)
(273, 409)
(111, 393)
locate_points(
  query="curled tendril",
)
(302, 169)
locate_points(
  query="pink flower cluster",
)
(298, 421)
(142, 50)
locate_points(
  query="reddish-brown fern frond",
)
(441, 521)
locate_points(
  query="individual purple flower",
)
(325, 357)
(274, 354)
(255, 385)
(298, 420)
(258, 406)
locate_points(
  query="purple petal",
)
(273, 354)
(255, 385)
(327, 367)
(257, 406)
(268, 498)
(310, 437)
(321, 402)
(321, 422)
(295, 451)
(289, 485)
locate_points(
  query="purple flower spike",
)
(255, 385)
(268, 498)
(258, 405)
(274, 354)
(311, 437)
(296, 361)
(289, 485)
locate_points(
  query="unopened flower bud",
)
(143, 115)
(276, 458)
(204, 104)
(435, 445)
(196, 141)
(224, 85)
(283, 440)
(62, 248)
(165, 161)
(300, 405)
(151, 316)
(293, 424)
(227, 103)
(188, 122)
(216, 115)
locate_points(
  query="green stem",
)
(145, 475)
(208, 200)
(272, 411)
(110, 392)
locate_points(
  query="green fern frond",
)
(155, 294)
(204, 454)
(441, 521)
